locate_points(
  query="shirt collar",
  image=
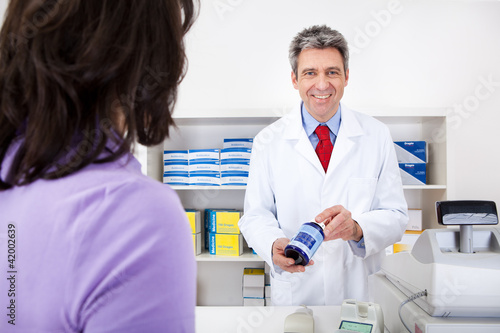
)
(310, 124)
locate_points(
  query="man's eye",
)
(309, 73)
(333, 73)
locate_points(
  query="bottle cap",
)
(321, 224)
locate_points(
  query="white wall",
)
(3, 7)
(419, 53)
(403, 54)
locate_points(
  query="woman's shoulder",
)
(124, 187)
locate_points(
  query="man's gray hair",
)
(318, 37)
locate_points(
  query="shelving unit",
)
(246, 256)
(223, 188)
(219, 281)
(202, 188)
(424, 187)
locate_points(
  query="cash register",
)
(450, 281)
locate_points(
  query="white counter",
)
(260, 319)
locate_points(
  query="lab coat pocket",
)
(360, 194)
(281, 291)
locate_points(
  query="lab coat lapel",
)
(294, 131)
(346, 139)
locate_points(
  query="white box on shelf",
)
(411, 151)
(235, 153)
(235, 165)
(415, 219)
(176, 166)
(267, 275)
(197, 244)
(204, 179)
(203, 165)
(234, 178)
(176, 178)
(253, 292)
(238, 143)
(213, 154)
(171, 155)
(253, 277)
(250, 301)
(413, 173)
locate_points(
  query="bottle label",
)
(305, 239)
(308, 239)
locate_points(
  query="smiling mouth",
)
(322, 96)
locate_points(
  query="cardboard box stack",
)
(175, 167)
(267, 285)
(228, 166)
(223, 235)
(204, 167)
(412, 159)
(235, 161)
(253, 286)
(413, 231)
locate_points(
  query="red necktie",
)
(324, 147)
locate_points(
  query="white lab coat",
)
(287, 187)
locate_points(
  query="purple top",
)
(105, 249)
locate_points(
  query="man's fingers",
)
(282, 261)
(328, 214)
(285, 263)
(335, 225)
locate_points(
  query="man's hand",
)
(279, 259)
(339, 224)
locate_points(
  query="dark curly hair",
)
(76, 75)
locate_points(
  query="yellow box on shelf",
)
(407, 242)
(253, 277)
(223, 221)
(194, 217)
(225, 244)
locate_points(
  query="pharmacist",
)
(357, 191)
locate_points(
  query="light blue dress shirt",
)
(310, 124)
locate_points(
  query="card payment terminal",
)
(361, 317)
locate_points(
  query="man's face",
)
(320, 81)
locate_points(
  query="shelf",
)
(256, 115)
(424, 187)
(246, 256)
(222, 188)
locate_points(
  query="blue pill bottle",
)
(305, 242)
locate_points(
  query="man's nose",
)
(322, 82)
